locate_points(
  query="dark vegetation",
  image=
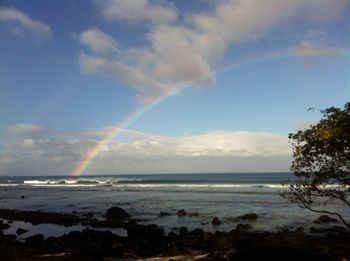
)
(322, 164)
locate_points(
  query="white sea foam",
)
(34, 182)
(200, 185)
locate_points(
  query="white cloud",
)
(136, 11)
(149, 88)
(137, 152)
(177, 58)
(244, 20)
(183, 54)
(20, 23)
(98, 41)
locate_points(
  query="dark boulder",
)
(339, 229)
(150, 232)
(172, 236)
(314, 230)
(164, 214)
(7, 238)
(197, 232)
(51, 241)
(116, 213)
(248, 216)
(181, 213)
(88, 215)
(105, 223)
(300, 230)
(216, 221)
(21, 231)
(243, 227)
(183, 231)
(35, 240)
(37, 217)
(101, 236)
(217, 256)
(325, 219)
(4, 225)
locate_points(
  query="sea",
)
(202, 196)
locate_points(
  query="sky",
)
(93, 87)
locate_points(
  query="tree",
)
(321, 164)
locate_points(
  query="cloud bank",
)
(35, 150)
(184, 50)
(136, 11)
(21, 24)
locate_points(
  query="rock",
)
(325, 219)
(35, 240)
(150, 232)
(163, 214)
(172, 235)
(75, 235)
(89, 215)
(9, 237)
(181, 213)
(116, 213)
(51, 241)
(339, 229)
(219, 234)
(183, 231)
(243, 227)
(21, 231)
(194, 214)
(105, 223)
(248, 216)
(100, 236)
(314, 230)
(4, 225)
(37, 217)
(299, 229)
(197, 232)
(216, 221)
(217, 256)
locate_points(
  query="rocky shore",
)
(150, 242)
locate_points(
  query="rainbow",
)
(92, 153)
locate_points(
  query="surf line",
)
(93, 152)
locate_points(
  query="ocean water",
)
(145, 196)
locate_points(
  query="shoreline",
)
(95, 241)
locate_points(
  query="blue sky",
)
(213, 72)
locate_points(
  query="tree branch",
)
(304, 205)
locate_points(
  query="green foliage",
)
(322, 163)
